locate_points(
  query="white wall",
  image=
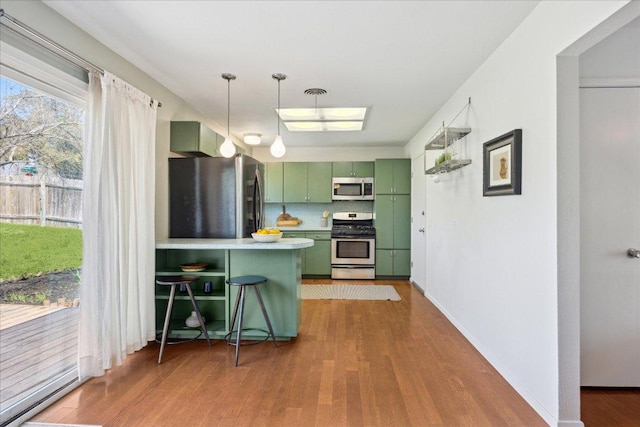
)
(329, 154)
(491, 261)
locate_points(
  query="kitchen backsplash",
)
(311, 213)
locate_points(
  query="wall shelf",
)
(445, 137)
(447, 166)
(442, 140)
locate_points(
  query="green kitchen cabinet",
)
(194, 138)
(316, 260)
(280, 294)
(393, 221)
(393, 262)
(273, 192)
(307, 182)
(298, 235)
(353, 169)
(393, 234)
(318, 257)
(393, 176)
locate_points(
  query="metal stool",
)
(243, 282)
(175, 281)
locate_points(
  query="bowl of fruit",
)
(267, 235)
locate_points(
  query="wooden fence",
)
(41, 200)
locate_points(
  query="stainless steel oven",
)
(353, 246)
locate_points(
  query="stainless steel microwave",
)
(352, 188)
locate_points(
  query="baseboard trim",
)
(502, 370)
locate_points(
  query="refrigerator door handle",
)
(257, 201)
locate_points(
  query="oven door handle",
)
(352, 267)
(357, 236)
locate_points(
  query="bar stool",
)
(174, 282)
(243, 282)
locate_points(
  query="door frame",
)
(568, 210)
(417, 164)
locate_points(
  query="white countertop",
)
(303, 228)
(248, 243)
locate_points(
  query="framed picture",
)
(502, 165)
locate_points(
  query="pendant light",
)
(277, 148)
(228, 149)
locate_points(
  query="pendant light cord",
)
(228, 105)
(278, 107)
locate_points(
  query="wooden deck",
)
(36, 344)
(14, 314)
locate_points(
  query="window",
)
(41, 136)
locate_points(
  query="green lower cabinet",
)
(281, 293)
(402, 262)
(298, 235)
(393, 262)
(318, 257)
(316, 260)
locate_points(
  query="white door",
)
(610, 225)
(418, 241)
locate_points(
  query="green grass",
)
(26, 249)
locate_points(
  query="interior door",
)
(610, 225)
(418, 240)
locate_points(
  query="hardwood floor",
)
(619, 407)
(354, 363)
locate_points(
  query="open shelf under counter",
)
(177, 329)
(199, 296)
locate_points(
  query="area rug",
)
(352, 292)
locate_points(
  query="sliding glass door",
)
(40, 242)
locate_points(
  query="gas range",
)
(353, 224)
(353, 244)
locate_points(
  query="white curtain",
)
(117, 287)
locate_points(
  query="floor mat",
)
(351, 292)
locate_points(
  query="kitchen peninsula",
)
(279, 262)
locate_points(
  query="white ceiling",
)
(401, 59)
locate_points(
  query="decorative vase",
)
(192, 321)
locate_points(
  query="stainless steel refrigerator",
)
(215, 197)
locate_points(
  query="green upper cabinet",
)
(307, 182)
(194, 138)
(319, 182)
(273, 182)
(393, 176)
(353, 169)
(295, 182)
